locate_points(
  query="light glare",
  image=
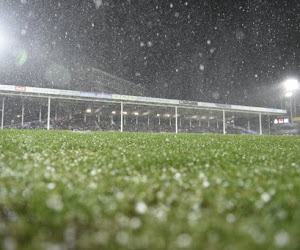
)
(4, 40)
(291, 84)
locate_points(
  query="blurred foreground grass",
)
(65, 190)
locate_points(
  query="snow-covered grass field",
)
(64, 190)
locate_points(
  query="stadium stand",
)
(41, 108)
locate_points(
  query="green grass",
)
(65, 190)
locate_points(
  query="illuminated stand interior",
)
(122, 100)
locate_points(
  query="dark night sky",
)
(219, 51)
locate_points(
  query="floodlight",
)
(136, 113)
(124, 113)
(288, 94)
(113, 112)
(89, 110)
(291, 84)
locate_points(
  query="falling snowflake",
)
(149, 44)
(98, 3)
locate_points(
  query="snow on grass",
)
(61, 190)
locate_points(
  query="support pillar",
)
(170, 122)
(190, 123)
(295, 105)
(291, 111)
(224, 122)
(159, 120)
(84, 117)
(148, 121)
(249, 128)
(2, 115)
(269, 125)
(121, 117)
(176, 120)
(55, 115)
(208, 124)
(40, 114)
(48, 117)
(22, 114)
(260, 127)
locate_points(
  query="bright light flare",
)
(3, 41)
(291, 84)
(288, 94)
(89, 110)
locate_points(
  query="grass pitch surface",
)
(65, 190)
